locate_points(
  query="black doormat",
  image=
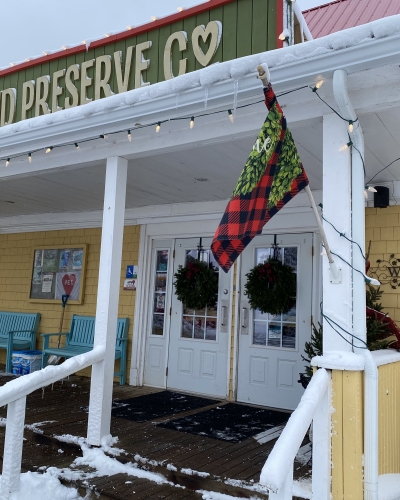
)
(230, 422)
(157, 405)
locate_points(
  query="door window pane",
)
(200, 324)
(276, 330)
(160, 291)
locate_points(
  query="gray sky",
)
(35, 26)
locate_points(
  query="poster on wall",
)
(68, 284)
(130, 284)
(57, 272)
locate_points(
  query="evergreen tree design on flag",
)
(272, 176)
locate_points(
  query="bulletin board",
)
(57, 271)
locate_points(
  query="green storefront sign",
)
(217, 31)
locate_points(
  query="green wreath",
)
(196, 285)
(271, 287)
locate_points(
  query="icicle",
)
(235, 96)
(205, 97)
(52, 386)
(42, 392)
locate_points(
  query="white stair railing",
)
(14, 395)
(277, 473)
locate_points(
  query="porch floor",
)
(231, 468)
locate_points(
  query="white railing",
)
(14, 395)
(277, 473)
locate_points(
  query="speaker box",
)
(381, 197)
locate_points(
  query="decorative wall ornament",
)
(388, 271)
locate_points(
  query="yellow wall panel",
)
(16, 252)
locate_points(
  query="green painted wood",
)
(7, 85)
(131, 42)
(272, 34)
(53, 67)
(229, 31)
(176, 53)
(203, 19)
(217, 15)
(164, 34)
(260, 26)
(244, 28)
(248, 27)
(146, 54)
(188, 26)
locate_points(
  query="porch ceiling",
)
(172, 177)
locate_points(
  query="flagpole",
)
(264, 76)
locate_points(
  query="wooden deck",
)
(233, 468)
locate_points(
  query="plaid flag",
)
(272, 176)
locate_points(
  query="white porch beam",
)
(107, 299)
(337, 297)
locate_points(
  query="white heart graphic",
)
(214, 29)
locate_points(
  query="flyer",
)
(77, 258)
(47, 283)
(50, 261)
(38, 258)
(37, 276)
(129, 284)
(65, 256)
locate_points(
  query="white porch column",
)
(337, 298)
(108, 298)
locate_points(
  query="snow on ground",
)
(389, 487)
(230, 70)
(45, 486)
(213, 495)
(302, 489)
(32, 427)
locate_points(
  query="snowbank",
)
(339, 360)
(220, 72)
(45, 486)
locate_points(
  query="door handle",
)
(223, 314)
(245, 317)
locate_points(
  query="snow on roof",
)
(233, 70)
(343, 14)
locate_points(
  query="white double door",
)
(187, 349)
(270, 347)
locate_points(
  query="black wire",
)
(147, 125)
(334, 110)
(362, 159)
(348, 263)
(384, 168)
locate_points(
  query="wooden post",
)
(337, 297)
(107, 299)
(10, 478)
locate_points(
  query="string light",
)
(77, 146)
(365, 194)
(192, 122)
(318, 85)
(103, 136)
(371, 189)
(158, 127)
(345, 146)
(231, 117)
(7, 162)
(30, 157)
(180, 9)
(49, 149)
(153, 18)
(129, 136)
(284, 36)
(351, 126)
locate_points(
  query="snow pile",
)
(386, 356)
(221, 72)
(45, 486)
(340, 360)
(302, 489)
(389, 487)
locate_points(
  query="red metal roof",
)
(343, 14)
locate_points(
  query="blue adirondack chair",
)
(17, 332)
(80, 339)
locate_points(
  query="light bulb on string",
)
(345, 146)
(49, 149)
(318, 85)
(351, 126)
(231, 117)
(77, 146)
(371, 189)
(323, 251)
(365, 194)
(103, 136)
(129, 136)
(158, 127)
(30, 157)
(7, 162)
(192, 122)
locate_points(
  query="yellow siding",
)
(389, 414)
(16, 252)
(347, 435)
(382, 228)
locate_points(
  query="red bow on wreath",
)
(267, 271)
(192, 270)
